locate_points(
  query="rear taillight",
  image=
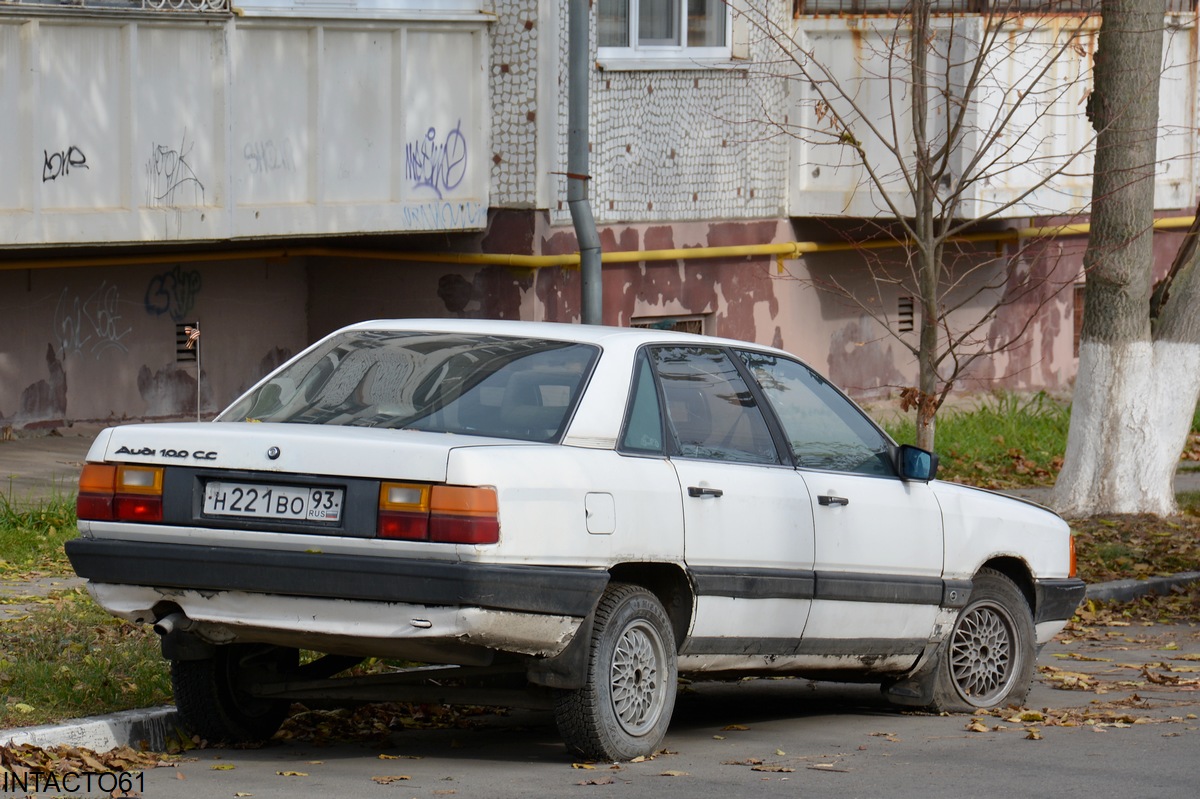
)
(1073, 571)
(120, 493)
(460, 515)
(445, 514)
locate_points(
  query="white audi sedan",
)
(556, 516)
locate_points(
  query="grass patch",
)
(1007, 441)
(31, 539)
(69, 658)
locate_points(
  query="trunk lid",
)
(286, 448)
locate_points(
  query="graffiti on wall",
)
(445, 216)
(59, 164)
(170, 178)
(173, 293)
(264, 157)
(438, 164)
(90, 325)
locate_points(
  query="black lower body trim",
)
(1057, 599)
(825, 647)
(749, 583)
(529, 589)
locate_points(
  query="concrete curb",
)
(152, 728)
(1125, 590)
(141, 729)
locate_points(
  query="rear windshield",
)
(443, 382)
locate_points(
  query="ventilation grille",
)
(905, 315)
(184, 353)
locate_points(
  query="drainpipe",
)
(578, 68)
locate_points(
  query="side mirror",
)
(916, 464)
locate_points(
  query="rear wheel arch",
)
(669, 583)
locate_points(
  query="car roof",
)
(600, 335)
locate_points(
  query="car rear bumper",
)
(551, 590)
(435, 634)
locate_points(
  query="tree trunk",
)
(1134, 393)
(928, 254)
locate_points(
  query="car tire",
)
(211, 697)
(988, 658)
(624, 708)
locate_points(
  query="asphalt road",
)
(1127, 728)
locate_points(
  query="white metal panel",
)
(197, 130)
(15, 189)
(178, 140)
(1176, 180)
(445, 147)
(355, 112)
(272, 104)
(1028, 115)
(1030, 106)
(80, 122)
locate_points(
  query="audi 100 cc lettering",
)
(558, 516)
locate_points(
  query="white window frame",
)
(647, 57)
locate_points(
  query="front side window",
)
(440, 382)
(824, 429)
(663, 28)
(710, 410)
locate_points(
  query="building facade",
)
(268, 171)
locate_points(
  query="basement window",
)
(680, 324)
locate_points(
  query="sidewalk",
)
(34, 469)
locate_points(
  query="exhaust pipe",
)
(172, 622)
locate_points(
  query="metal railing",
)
(1031, 7)
(181, 6)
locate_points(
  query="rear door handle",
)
(827, 500)
(698, 491)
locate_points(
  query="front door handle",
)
(698, 491)
(827, 500)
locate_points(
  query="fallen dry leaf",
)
(674, 774)
(388, 779)
(597, 781)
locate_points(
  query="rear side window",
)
(711, 412)
(518, 388)
(643, 429)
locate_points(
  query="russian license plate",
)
(256, 501)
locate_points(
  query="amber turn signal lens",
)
(97, 478)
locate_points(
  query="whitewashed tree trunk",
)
(1129, 422)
